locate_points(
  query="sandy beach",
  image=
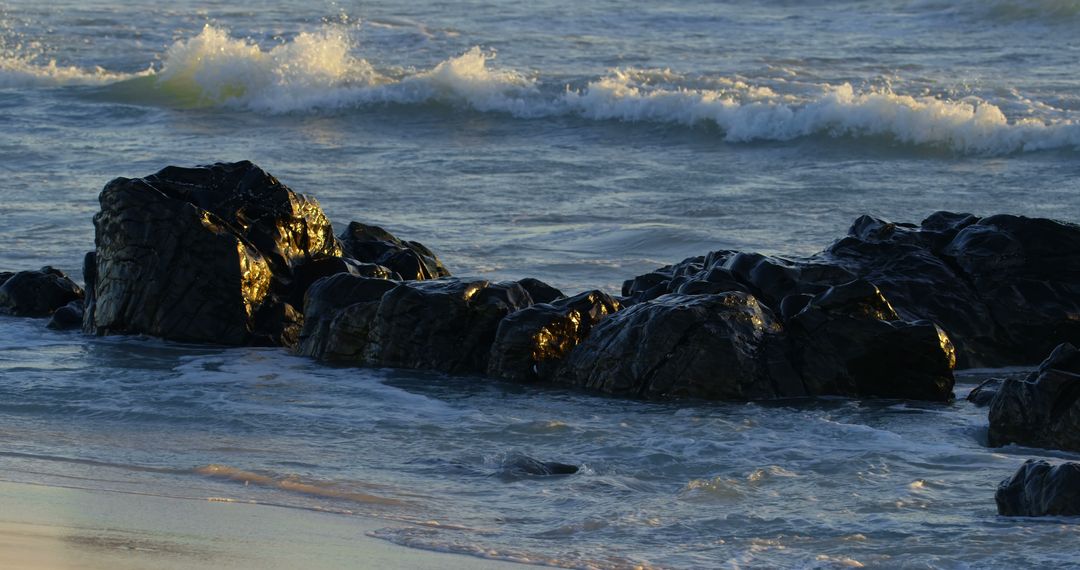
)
(54, 528)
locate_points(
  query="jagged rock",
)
(202, 254)
(1004, 288)
(851, 342)
(531, 343)
(37, 293)
(724, 347)
(70, 316)
(444, 324)
(984, 393)
(409, 259)
(1039, 489)
(1042, 410)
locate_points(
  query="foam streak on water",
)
(581, 143)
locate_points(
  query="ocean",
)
(581, 143)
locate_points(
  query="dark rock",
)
(531, 344)
(338, 311)
(1005, 289)
(409, 259)
(851, 342)
(445, 324)
(1039, 489)
(305, 274)
(37, 293)
(539, 291)
(202, 255)
(5, 275)
(984, 393)
(1042, 410)
(517, 465)
(70, 316)
(725, 347)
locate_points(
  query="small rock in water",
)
(1042, 410)
(1039, 489)
(37, 293)
(518, 464)
(70, 316)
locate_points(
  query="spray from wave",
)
(318, 71)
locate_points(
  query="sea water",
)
(581, 143)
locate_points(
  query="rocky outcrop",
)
(203, 254)
(1005, 289)
(985, 392)
(408, 259)
(1043, 409)
(36, 293)
(444, 324)
(1039, 489)
(728, 346)
(531, 344)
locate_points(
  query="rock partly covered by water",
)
(1043, 409)
(1005, 289)
(729, 346)
(1039, 489)
(37, 293)
(444, 324)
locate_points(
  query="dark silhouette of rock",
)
(539, 291)
(202, 254)
(722, 347)
(37, 293)
(409, 259)
(1043, 409)
(531, 343)
(5, 275)
(305, 274)
(849, 341)
(984, 393)
(517, 465)
(1039, 489)
(444, 324)
(1004, 288)
(70, 316)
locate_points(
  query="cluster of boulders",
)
(227, 254)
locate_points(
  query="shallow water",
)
(580, 144)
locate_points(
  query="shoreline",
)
(58, 528)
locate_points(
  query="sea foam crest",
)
(318, 71)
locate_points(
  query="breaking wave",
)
(318, 71)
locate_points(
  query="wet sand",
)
(58, 528)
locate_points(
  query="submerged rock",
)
(516, 465)
(70, 316)
(37, 293)
(1039, 489)
(1043, 409)
(409, 259)
(531, 344)
(203, 254)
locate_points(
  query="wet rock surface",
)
(1040, 489)
(203, 254)
(70, 316)
(36, 293)
(408, 259)
(984, 393)
(1005, 289)
(1043, 409)
(532, 343)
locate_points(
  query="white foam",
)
(318, 71)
